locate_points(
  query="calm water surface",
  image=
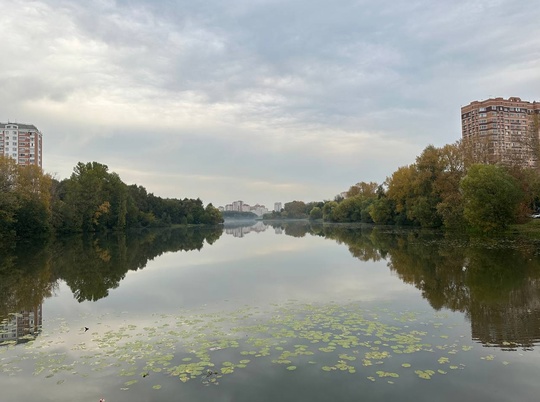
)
(271, 313)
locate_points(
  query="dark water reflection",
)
(492, 287)
(90, 266)
(495, 282)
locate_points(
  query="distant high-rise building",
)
(277, 207)
(22, 142)
(502, 130)
(237, 205)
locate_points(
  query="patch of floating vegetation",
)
(333, 338)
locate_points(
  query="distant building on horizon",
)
(502, 130)
(277, 206)
(22, 142)
(240, 206)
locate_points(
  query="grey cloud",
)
(274, 91)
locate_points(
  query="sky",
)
(257, 100)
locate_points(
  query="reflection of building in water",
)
(241, 231)
(278, 230)
(509, 326)
(18, 325)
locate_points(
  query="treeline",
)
(445, 187)
(93, 199)
(297, 210)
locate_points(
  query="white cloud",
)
(273, 99)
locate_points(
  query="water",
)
(267, 313)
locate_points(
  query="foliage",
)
(296, 210)
(239, 215)
(91, 200)
(328, 210)
(429, 194)
(315, 213)
(382, 211)
(492, 197)
(363, 189)
(25, 193)
(105, 203)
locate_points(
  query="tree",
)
(25, 194)
(363, 189)
(450, 207)
(97, 196)
(401, 191)
(426, 193)
(9, 204)
(491, 197)
(315, 213)
(295, 209)
(212, 215)
(328, 210)
(382, 211)
(353, 209)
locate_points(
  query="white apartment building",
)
(277, 207)
(241, 206)
(22, 142)
(237, 205)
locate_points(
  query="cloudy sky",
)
(258, 100)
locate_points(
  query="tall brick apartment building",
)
(22, 142)
(502, 130)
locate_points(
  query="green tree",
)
(295, 209)
(99, 197)
(401, 192)
(382, 210)
(25, 199)
(450, 207)
(315, 213)
(491, 197)
(328, 210)
(426, 193)
(9, 204)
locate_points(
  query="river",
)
(271, 312)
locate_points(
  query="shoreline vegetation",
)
(33, 204)
(454, 188)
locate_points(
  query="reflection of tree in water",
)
(495, 287)
(506, 308)
(362, 242)
(496, 283)
(293, 228)
(25, 277)
(89, 265)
